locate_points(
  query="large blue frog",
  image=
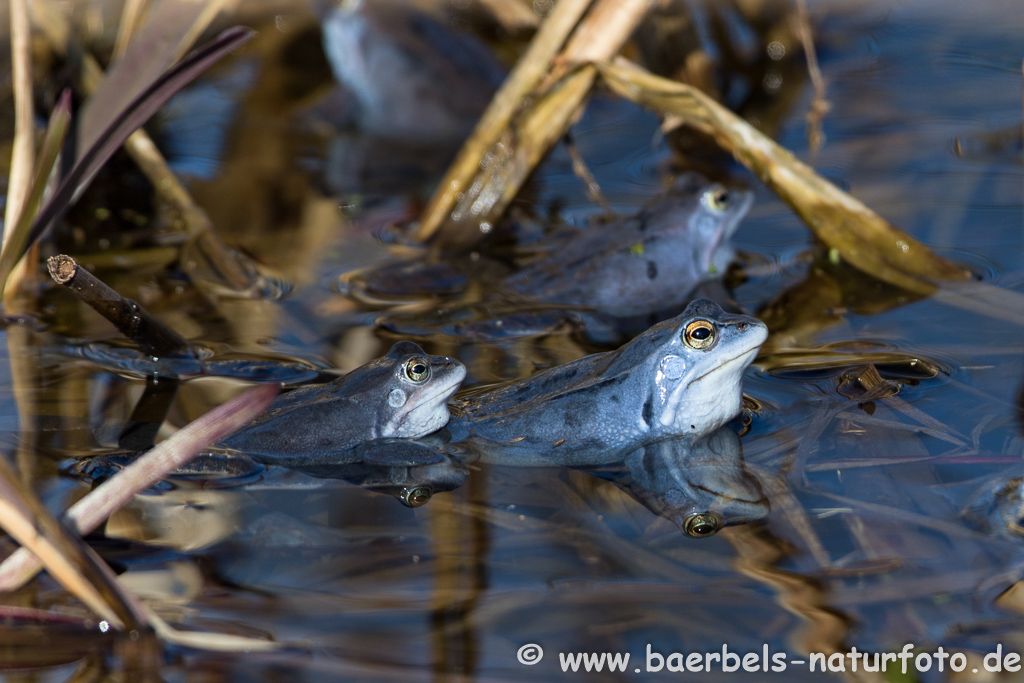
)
(680, 378)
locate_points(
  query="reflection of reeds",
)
(48, 543)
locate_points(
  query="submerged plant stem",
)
(820, 106)
(131, 319)
(197, 222)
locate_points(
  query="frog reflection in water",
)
(700, 485)
(998, 508)
(614, 275)
(403, 394)
(681, 378)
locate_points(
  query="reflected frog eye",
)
(417, 370)
(717, 198)
(702, 524)
(700, 334)
(415, 497)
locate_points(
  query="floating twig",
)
(116, 492)
(131, 319)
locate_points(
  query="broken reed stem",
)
(513, 15)
(89, 512)
(24, 126)
(133, 321)
(532, 67)
(509, 149)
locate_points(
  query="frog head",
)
(414, 398)
(697, 378)
(717, 213)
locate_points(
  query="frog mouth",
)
(441, 394)
(742, 359)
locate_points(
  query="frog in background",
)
(614, 279)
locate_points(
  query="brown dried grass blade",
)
(90, 511)
(860, 236)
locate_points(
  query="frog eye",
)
(417, 370)
(717, 198)
(415, 497)
(699, 334)
(702, 524)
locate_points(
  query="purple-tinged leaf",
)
(169, 28)
(137, 113)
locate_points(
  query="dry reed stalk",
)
(22, 155)
(531, 69)
(31, 525)
(859, 235)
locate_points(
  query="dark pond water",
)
(893, 520)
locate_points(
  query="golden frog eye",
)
(417, 370)
(700, 334)
(717, 198)
(702, 524)
(416, 497)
